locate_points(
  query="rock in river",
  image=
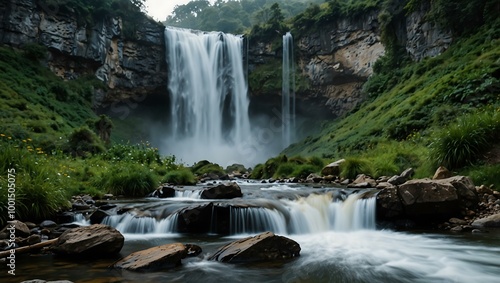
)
(263, 247)
(95, 241)
(155, 258)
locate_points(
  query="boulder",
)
(490, 221)
(441, 173)
(48, 224)
(389, 204)
(314, 178)
(98, 216)
(408, 173)
(363, 181)
(20, 229)
(263, 247)
(332, 168)
(163, 192)
(222, 191)
(427, 199)
(397, 180)
(466, 190)
(154, 259)
(192, 250)
(95, 240)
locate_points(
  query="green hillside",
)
(441, 111)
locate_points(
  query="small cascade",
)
(130, 224)
(305, 215)
(256, 219)
(288, 91)
(81, 220)
(191, 194)
(208, 95)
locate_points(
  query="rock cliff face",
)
(337, 59)
(128, 67)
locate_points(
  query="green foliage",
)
(463, 16)
(205, 167)
(236, 16)
(484, 175)
(352, 167)
(129, 180)
(35, 52)
(257, 172)
(284, 167)
(182, 176)
(462, 142)
(83, 141)
(142, 153)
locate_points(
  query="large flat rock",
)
(154, 259)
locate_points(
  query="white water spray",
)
(208, 96)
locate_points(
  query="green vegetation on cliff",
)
(440, 111)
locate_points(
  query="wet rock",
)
(458, 221)
(314, 178)
(490, 221)
(263, 247)
(48, 224)
(193, 250)
(98, 216)
(389, 204)
(222, 191)
(441, 173)
(332, 168)
(427, 199)
(456, 229)
(363, 181)
(95, 240)
(154, 259)
(163, 192)
(20, 229)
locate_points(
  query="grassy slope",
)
(38, 105)
(401, 122)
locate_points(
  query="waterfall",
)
(288, 92)
(208, 96)
(312, 214)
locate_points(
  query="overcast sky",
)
(160, 9)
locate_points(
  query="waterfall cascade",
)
(208, 96)
(288, 92)
(312, 214)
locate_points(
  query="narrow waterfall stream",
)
(288, 91)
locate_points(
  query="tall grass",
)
(463, 141)
(352, 167)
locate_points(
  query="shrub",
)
(463, 141)
(35, 52)
(182, 176)
(285, 170)
(203, 167)
(302, 171)
(40, 195)
(84, 141)
(129, 180)
(257, 172)
(352, 167)
(485, 175)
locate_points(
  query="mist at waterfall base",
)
(209, 104)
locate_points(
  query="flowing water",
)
(208, 96)
(335, 228)
(288, 92)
